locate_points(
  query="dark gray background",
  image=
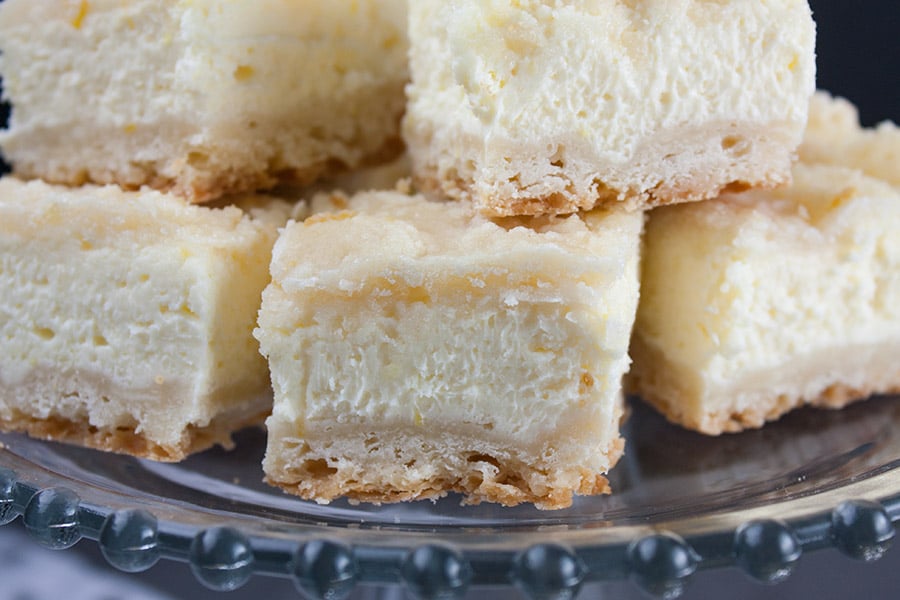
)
(859, 54)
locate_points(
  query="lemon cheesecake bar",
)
(200, 97)
(539, 107)
(126, 318)
(417, 348)
(757, 303)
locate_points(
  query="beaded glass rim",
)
(328, 561)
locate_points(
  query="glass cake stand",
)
(682, 502)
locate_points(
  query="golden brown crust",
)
(834, 397)
(649, 380)
(838, 396)
(558, 204)
(206, 190)
(199, 187)
(509, 491)
(126, 441)
(677, 165)
(500, 482)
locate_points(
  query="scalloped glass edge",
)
(223, 550)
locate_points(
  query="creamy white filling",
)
(527, 371)
(422, 317)
(127, 92)
(752, 282)
(594, 79)
(129, 308)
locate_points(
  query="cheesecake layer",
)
(537, 108)
(199, 97)
(756, 303)
(835, 137)
(126, 317)
(417, 349)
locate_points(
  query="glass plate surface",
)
(681, 501)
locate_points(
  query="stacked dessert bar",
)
(418, 347)
(480, 346)
(753, 304)
(467, 330)
(127, 308)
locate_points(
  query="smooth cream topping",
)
(104, 213)
(403, 231)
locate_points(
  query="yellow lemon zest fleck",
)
(243, 72)
(82, 13)
(326, 217)
(794, 62)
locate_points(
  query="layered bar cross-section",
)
(126, 318)
(757, 303)
(536, 107)
(417, 349)
(201, 97)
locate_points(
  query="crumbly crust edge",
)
(127, 441)
(705, 163)
(652, 386)
(507, 487)
(695, 190)
(199, 187)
